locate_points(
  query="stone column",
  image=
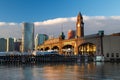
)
(75, 49)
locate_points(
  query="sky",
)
(53, 16)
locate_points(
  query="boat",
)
(99, 58)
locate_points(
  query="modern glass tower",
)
(10, 44)
(27, 37)
(3, 43)
(40, 38)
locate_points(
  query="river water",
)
(61, 71)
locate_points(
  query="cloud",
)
(8, 24)
(13, 24)
(115, 17)
(10, 29)
(110, 24)
(92, 24)
(2, 23)
(55, 26)
(54, 21)
(94, 17)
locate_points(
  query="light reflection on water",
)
(61, 71)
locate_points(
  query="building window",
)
(117, 54)
(112, 55)
(107, 54)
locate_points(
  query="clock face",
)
(78, 25)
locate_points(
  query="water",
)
(61, 71)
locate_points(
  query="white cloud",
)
(12, 24)
(99, 17)
(10, 29)
(110, 24)
(115, 17)
(54, 21)
(2, 23)
(8, 24)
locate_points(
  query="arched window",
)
(87, 48)
(68, 50)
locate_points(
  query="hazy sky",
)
(50, 16)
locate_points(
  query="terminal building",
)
(111, 47)
(92, 45)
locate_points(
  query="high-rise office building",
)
(27, 37)
(3, 44)
(39, 39)
(10, 44)
(17, 43)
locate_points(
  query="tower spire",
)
(79, 17)
(79, 14)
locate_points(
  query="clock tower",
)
(79, 26)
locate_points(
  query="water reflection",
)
(60, 71)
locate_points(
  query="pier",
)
(43, 58)
(36, 59)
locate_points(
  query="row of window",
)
(112, 55)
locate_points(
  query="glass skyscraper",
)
(40, 38)
(3, 43)
(27, 37)
(10, 44)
